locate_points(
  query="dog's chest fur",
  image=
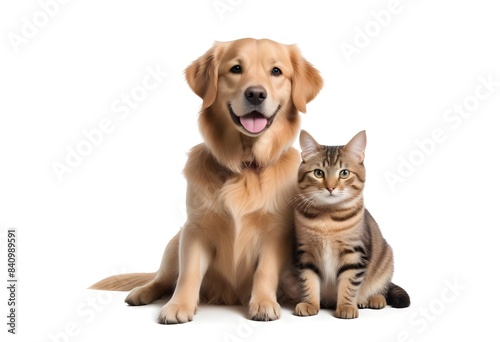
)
(250, 205)
(264, 189)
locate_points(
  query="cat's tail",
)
(397, 297)
(123, 282)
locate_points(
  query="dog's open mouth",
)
(253, 122)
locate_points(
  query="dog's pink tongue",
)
(253, 124)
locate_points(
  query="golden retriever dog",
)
(236, 245)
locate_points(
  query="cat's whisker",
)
(296, 198)
(303, 201)
(304, 204)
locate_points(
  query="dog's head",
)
(252, 87)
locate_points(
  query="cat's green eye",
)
(319, 173)
(344, 173)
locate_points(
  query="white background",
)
(117, 209)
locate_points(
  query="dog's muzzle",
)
(253, 122)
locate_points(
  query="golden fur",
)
(236, 246)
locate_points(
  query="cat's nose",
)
(330, 190)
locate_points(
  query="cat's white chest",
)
(330, 263)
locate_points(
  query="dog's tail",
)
(123, 282)
(397, 297)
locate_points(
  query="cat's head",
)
(330, 175)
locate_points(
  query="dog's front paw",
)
(266, 310)
(174, 313)
(346, 311)
(306, 309)
(140, 296)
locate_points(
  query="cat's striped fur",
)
(341, 258)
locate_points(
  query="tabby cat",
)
(341, 258)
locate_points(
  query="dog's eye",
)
(276, 71)
(236, 69)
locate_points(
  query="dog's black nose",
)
(255, 95)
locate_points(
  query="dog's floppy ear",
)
(306, 80)
(201, 75)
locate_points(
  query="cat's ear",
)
(308, 145)
(356, 147)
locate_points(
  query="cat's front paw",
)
(346, 311)
(377, 302)
(306, 309)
